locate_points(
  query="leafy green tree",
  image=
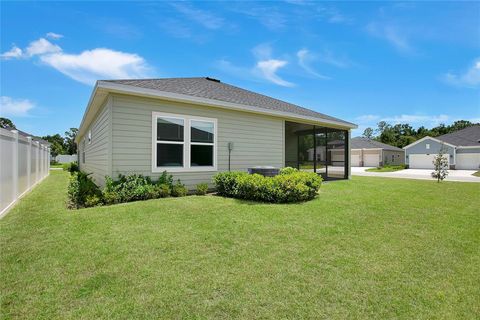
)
(57, 146)
(69, 141)
(368, 133)
(6, 123)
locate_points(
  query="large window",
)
(183, 143)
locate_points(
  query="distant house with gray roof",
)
(462, 148)
(371, 153)
(196, 127)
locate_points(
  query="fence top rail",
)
(23, 136)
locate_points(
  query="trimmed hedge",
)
(290, 185)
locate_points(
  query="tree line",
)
(402, 134)
(59, 144)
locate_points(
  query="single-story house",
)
(370, 153)
(462, 147)
(195, 127)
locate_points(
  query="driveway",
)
(425, 174)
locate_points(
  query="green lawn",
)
(58, 165)
(386, 169)
(476, 174)
(366, 248)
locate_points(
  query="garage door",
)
(422, 161)
(355, 160)
(370, 160)
(468, 161)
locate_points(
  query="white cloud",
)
(41, 46)
(54, 36)
(99, 63)
(14, 53)
(336, 60)
(269, 16)
(367, 118)
(268, 70)
(265, 67)
(262, 51)
(304, 59)
(15, 107)
(87, 66)
(332, 14)
(469, 79)
(202, 17)
(418, 119)
(392, 34)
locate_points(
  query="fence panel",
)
(23, 163)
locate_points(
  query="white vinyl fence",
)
(23, 163)
(66, 158)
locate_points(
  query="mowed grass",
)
(386, 169)
(366, 248)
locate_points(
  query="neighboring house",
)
(462, 148)
(370, 153)
(195, 127)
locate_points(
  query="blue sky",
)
(362, 62)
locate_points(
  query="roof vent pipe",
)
(212, 79)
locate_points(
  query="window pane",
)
(201, 156)
(202, 131)
(169, 155)
(169, 129)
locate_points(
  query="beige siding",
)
(258, 139)
(398, 157)
(97, 152)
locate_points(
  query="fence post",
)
(37, 160)
(15, 165)
(29, 163)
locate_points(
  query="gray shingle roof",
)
(466, 137)
(365, 143)
(210, 89)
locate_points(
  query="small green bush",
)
(93, 201)
(81, 187)
(202, 189)
(165, 178)
(179, 189)
(163, 190)
(71, 167)
(225, 182)
(82, 191)
(288, 170)
(289, 186)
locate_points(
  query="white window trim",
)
(186, 143)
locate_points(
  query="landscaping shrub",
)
(136, 187)
(163, 190)
(288, 170)
(202, 189)
(71, 167)
(225, 182)
(93, 201)
(82, 191)
(289, 186)
(179, 189)
(81, 187)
